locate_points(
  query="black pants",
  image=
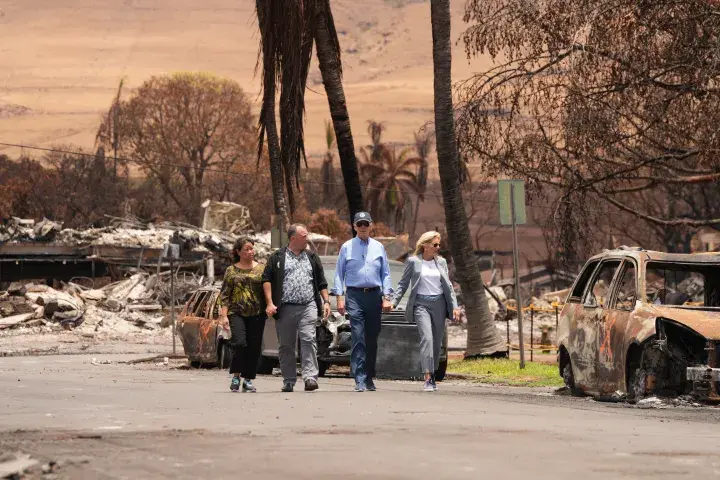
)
(246, 340)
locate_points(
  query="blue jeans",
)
(365, 311)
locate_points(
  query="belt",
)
(364, 289)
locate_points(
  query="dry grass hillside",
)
(63, 59)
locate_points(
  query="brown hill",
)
(63, 59)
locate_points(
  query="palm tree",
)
(108, 135)
(327, 46)
(267, 11)
(423, 146)
(376, 148)
(390, 182)
(327, 171)
(483, 338)
(290, 28)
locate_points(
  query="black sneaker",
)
(311, 384)
(370, 385)
(235, 384)
(287, 387)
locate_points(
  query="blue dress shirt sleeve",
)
(385, 275)
(339, 281)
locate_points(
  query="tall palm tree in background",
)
(392, 183)
(483, 338)
(328, 171)
(376, 147)
(423, 147)
(108, 134)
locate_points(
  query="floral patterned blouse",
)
(242, 291)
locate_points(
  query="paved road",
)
(146, 421)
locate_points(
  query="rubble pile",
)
(125, 233)
(141, 301)
(133, 233)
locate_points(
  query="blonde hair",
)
(425, 238)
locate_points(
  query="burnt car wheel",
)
(225, 354)
(440, 372)
(569, 380)
(322, 368)
(195, 364)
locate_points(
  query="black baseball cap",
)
(362, 217)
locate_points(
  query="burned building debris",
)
(100, 278)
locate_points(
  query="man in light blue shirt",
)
(363, 275)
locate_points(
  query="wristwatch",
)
(326, 302)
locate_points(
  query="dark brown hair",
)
(239, 244)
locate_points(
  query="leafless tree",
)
(599, 102)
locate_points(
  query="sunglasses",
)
(436, 245)
(362, 224)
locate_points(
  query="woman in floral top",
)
(242, 306)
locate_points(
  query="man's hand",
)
(386, 305)
(456, 314)
(271, 309)
(341, 306)
(224, 322)
(326, 311)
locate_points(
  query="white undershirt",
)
(429, 283)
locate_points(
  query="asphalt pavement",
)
(115, 420)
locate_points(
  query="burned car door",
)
(196, 334)
(613, 328)
(584, 333)
(211, 325)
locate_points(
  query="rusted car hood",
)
(704, 322)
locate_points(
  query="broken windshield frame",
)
(682, 285)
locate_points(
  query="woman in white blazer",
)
(431, 300)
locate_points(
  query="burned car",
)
(638, 322)
(206, 342)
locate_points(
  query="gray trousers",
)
(290, 321)
(429, 314)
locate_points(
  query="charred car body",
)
(206, 342)
(639, 322)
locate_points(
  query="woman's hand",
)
(456, 314)
(224, 322)
(271, 310)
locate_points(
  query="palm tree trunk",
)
(483, 338)
(328, 53)
(276, 167)
(268, 123)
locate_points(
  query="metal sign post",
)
(172, 301)
(172, 251)
(511, 194)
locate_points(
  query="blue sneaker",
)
(428, 386)
(370, 385)
(360, 387)
(248, 386)
(235, 384)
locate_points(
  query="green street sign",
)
(505, 202)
